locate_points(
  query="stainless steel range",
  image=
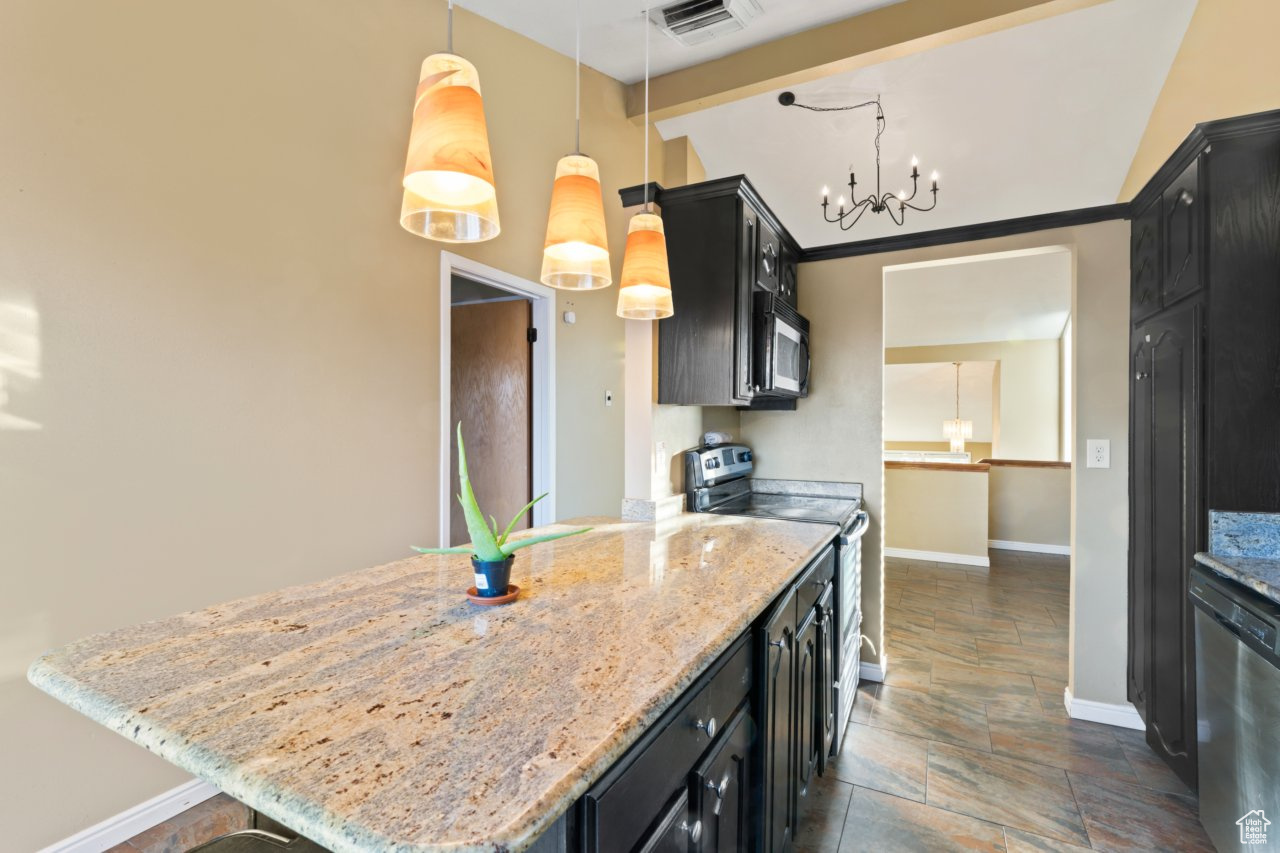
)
(718, 480)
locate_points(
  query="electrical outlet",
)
(1097, 453)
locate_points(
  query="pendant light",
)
(644, 290)
(575, 255)
(956, 429)
(449, 192)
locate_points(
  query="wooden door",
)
(491, 394)
(1170, 419)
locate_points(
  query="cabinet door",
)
(1170, 418)
(787, 276)
(743, 354)
(807, 733)
(826, 677)
(1140, 530)
(768, 258)
(722, 783)
(1182, 263)
(675, 831)
(777, 805)
(1144, 264)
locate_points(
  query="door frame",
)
(543, 305)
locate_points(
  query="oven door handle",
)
(860, 525)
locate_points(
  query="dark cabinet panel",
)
(768, 258)
(1140, 528)
(723, 788)
(776, 651)
(827, 696)
(1144, 264)
(1182, 209)
(1168, 381)
(808, 675)
(1244, 360)
(788, 276)
(674, 831)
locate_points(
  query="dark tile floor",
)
(966, 746)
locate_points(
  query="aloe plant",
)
(488, 545)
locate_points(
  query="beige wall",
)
(939, 511)
(1227, 66)
(844, 300)
(1027, 396)
(239, 362)
(1031, 505)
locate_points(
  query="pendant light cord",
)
(577, 84)
(957, 364)
(450, 50)
(646, 111)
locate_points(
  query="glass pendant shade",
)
(644, 290)
(957, 430)
(449, 193)
(576, 252)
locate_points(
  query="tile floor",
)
(966, 746)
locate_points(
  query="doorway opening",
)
(497, 356)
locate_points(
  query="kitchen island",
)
(379, 710)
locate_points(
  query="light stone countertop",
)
(379, 710)
(1245, 547)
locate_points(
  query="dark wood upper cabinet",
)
(1144, 266)
(1183, 244)
(723, 245)
(1204, 393)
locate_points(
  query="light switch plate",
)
(1097, 453)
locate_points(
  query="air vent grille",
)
(696, 21)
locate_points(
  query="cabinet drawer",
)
(621, 808)
(812, 583)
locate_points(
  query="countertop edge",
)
(1222, 565)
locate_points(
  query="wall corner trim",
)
(130, 822)
(1033, 547)
(868, 671)
(1123, 715)
(939, 557)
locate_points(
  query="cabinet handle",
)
(1186, 198)
(719, 789)
(784, 643)
(709, 726)
(695, 831)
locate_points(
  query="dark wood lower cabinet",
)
(725, 768)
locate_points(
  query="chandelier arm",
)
(900, 218)
(925, 209)
(855, 219)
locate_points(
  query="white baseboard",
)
(140, 818)
(939, 557)
(868, 671)
(1123, 715)
(1033, 547)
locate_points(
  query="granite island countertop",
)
(379, 710)
(1245, 547)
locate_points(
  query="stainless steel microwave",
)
(781, 346)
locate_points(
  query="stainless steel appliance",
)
(718, 480)
(782, 360)
(1237, 712)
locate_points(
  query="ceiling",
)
(1013, 296)
(613, 30)
(1033, 119)
(919, 397)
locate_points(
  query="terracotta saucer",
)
(513, 592)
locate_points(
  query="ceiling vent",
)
(693, 22)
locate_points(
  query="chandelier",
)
(878, 202)
(956, 429)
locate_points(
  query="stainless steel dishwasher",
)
(1238, 713)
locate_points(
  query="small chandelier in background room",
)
(575, 255)
(877, 202)
(956, 429)
(449, 191)
(644, 290)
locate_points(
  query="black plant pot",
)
(492, 578)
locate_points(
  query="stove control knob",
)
(713, 463)
(744, 456)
